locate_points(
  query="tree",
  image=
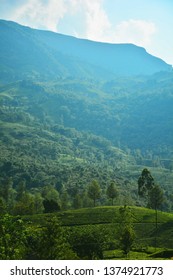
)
(64, 198)
(38, 203)
(145, 182)
(156, 197)
(51, 200)
(21, 190)
(54, 242)
(127, 238)
(24, 206)
(8, 194)
(126, 230)
(12, 238)
(154, 194)
(34, 243)
(50, 206)
(3, 206)
(94, 191)
(112, 192)
(88, 242)
(155, 200)
(148, 188)
(77, 201)
(5, 188)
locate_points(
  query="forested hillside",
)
(69, 119)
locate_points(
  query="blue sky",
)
(146, 23)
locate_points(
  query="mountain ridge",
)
(31, 52)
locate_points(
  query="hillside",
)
(103, 223)
(29, 53)
(66, 133)
(68, 116)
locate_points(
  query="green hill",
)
(148, 243)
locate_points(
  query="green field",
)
(149, 243)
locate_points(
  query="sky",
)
(146, 23)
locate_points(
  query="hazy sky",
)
(147, 23)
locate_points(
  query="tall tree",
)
(126, 230)
(145, 183)
(112, 192)
(77, 201)
(64, 198)
(155, 200)
(156, 197)
(8, 193)
(94, 191)
(148, 188)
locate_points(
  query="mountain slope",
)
(67, 116)
(65, 126)
(30, 53)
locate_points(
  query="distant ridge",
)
(27, 52)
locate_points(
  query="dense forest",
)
(64, 134)
(75, 142)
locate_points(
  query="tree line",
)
(21, 201)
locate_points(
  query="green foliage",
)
(148, 188)
(54, 242)
(12, 238)
(33, 244)
(126, 230)
(51, 199)
(50, 206)
(88, 242)
(3, 206)
(145, 182)
(94, 191)
(67, 132)
(112, 192)
(77, 202)
(24, 206)
(94, 232)
(60, 132)
(156, 197)
(127, 238)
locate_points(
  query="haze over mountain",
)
(26, 52)
(73, 110)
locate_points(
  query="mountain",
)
(30, 53)
(71, 111)
(79, 122)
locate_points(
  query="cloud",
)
(39, 13)
(139, 32)
(96, 20)
(83, 18)
(93, 19)
(47, 14)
